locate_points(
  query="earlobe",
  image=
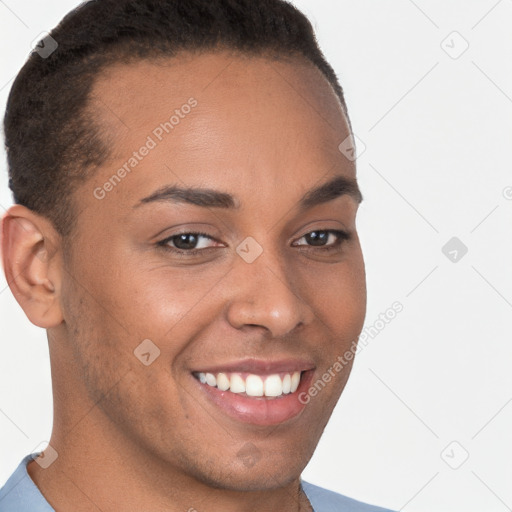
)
(31, 262)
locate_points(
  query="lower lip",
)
(259, 410)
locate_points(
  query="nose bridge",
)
(266, 293)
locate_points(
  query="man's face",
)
(269, 288)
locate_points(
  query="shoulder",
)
(323, 500)
(20, 494)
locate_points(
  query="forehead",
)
(162, 80)
(213, 116)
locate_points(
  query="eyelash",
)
(164, 244)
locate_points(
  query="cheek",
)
(139, 302)
(170, 306)
(337, 294)
(105, 334)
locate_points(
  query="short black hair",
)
(51, 138)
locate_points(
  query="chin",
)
(257, 473)
(264, 479)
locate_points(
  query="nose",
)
(265, 293)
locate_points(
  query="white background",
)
(437, 134)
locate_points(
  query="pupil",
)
(181, 241)
(317, 237)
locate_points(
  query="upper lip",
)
(260, 366)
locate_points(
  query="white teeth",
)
(273, 386)
(237, 384)
(287, 384)
(254, 385)
(211, 380)
(295, 382)
(222, 382)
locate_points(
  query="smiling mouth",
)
(274, 385)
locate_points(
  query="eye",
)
(194, 243)
(320, 238)
(186, 243)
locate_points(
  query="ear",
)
(32, 264)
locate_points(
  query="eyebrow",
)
(210, 198)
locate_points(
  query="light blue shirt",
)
(20, 494)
